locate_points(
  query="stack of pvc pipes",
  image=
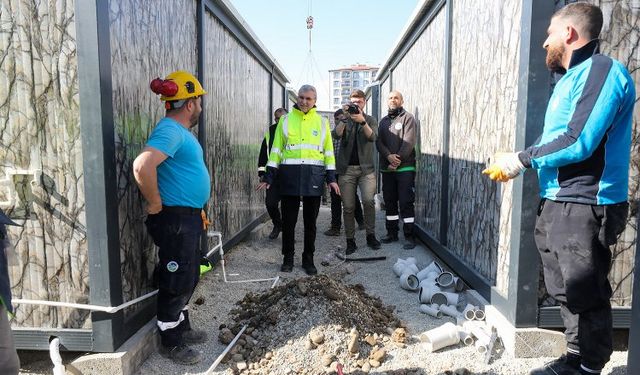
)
(479, 332)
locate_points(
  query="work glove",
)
(504, 166)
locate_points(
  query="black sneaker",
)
(333, 232)
(351, 246)
(564, 365)
(390, 237)
(275, 232)
(181, 354)
(194, 336)
(373, 242)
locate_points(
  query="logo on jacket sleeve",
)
(397, 125)
(172, 266)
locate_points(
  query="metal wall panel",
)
(278, 97)
(484, 83)
(41, 177)
(420, 78)
(146, 42)
(237, 117)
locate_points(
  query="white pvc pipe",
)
(54, 354)
(441, 337)
(469, 312)
(409, 281)
(450, 310)
(465, 337)
(426, 292)
(433, 267)
(478, 314)
(84, 306)
(226, 350)
(402, 267)
(445, 279)
(458, 284)
(445, 298)
(431, 310)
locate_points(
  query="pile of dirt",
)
(310, 326)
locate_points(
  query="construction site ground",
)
(330, 305)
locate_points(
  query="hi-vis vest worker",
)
(302, 152)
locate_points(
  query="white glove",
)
(504, 166)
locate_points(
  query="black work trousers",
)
(290, 208)
(398, 188)
(272, 202)
(336, 210)
(573, 241)
(178, 239)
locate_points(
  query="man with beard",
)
(582, 160)
(302, 159)
(396, 145)
(174, 180)
(272, 197)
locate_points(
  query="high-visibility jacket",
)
(302, 154)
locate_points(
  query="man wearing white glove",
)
(582, 160)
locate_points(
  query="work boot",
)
(275, 232)
(567, 364)
(308, 266)
(287, 264)
(410, 243)
(194, 336)
(181, 354)
(373, 242)
(333, 232)
(351, 246)
(390, 237)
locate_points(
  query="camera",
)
(352, 108)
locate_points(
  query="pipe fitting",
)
(478, 314)
(445, 280)
(426, 292)
(466, 337)
(409, 281)
(450, 311)
(401, 267)
(430, 310)
(445, 298)
(441, 337)
(432, 268)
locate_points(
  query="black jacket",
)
(265, 150)
(397, 135)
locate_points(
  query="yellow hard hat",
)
(178, 85)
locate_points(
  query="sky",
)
(345, 32)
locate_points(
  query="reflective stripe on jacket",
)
(302, 153)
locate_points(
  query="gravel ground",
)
(288, 348)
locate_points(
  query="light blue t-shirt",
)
(183, 179)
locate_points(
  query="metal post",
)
(444, 188)
(98, 147)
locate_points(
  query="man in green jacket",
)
(354, 165)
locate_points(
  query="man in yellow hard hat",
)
(174, 181)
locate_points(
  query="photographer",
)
(354, 165)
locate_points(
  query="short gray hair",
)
(306, 88)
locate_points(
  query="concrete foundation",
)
(526, 342)
(125, 361)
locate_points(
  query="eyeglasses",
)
(305, 98)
